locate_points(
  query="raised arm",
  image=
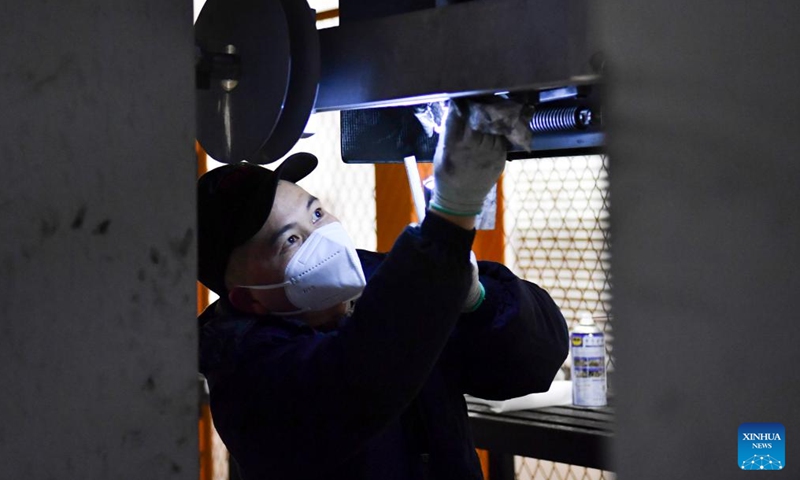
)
(513, 344)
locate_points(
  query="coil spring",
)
(556, 119)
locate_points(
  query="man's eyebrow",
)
(273, 239)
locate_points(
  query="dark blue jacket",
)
(381, 396)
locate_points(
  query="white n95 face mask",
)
(324, 272)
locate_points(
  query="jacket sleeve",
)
(513, 344)
(322, 396)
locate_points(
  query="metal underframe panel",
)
(466, 49)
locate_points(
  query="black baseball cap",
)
(233, 202)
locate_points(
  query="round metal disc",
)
(233, 125)
(304, 73)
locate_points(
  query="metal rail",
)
(566, 434)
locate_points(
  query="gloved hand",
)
(466, 165)
(476, 290)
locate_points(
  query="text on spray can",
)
(588, 364)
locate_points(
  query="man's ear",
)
(243, 300)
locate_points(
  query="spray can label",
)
(588, 369)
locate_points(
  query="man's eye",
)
(292, 239)
(318, 213)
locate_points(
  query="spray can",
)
(588, 364)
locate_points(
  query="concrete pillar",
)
(97, 252)
(705, 192)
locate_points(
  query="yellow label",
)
(576, 341)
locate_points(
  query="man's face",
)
(295, 215)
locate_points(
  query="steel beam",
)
(458, 50)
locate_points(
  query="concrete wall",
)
(705, 190)
(97, 251)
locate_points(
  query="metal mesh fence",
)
(556, 218)
(529, 469)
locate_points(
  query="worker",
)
(327, 362)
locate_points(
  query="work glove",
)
(466, 164)
(476, 291)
